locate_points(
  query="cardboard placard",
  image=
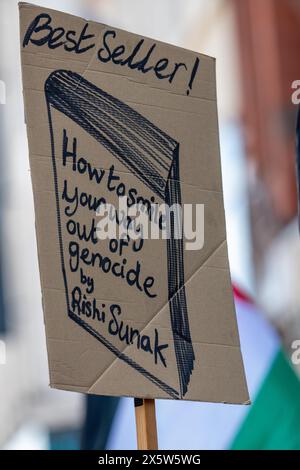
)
(113, 115)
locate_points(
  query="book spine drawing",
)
(153, 157)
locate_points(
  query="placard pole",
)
(145, 424)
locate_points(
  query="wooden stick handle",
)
(145, 424)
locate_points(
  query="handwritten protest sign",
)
(117, 122)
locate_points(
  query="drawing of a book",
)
(150, 155)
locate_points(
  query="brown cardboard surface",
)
(145, 113)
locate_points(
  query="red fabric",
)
(241, 295)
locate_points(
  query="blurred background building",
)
(256, 44)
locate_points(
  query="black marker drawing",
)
(153, 157)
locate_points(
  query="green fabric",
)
(273, 421)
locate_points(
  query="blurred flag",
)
(270, 422)
(273, 419)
